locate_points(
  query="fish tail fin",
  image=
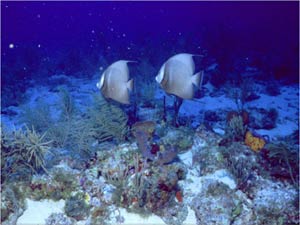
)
(197, 79)
(129, 85)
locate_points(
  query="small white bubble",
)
(179, 33)
(128, 48)
(24, 68)
(93, 31)
(108, 47)
(100, 68)
(111, 29)
(124, 35)
(11, 45)
(38, 15)
(39, 45)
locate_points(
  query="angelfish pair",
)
(176, 77)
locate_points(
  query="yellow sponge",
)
(255, 143)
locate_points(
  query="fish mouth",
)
(157, 79)
(98, 85)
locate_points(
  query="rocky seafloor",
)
(203, 172)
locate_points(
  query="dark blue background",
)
(266, 31)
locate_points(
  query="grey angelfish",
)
(114, 82)
(176, 76)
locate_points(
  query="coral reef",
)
(167, 172)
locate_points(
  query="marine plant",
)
(241, 92)
(281, 159)
(23, 149)
(235, 129)
(74, 129)
(107, 121)
(37, 115)
(61, 129)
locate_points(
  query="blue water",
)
(265, 32)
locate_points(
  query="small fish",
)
(114, 83)
(177, 77)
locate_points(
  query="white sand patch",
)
(287, 106)
(135, 219)
(186, 158)
(223, 176)
(38, 211)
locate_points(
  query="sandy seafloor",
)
(286, 103)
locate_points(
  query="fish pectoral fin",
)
(197, 79)
(129, 85)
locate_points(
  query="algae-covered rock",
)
(274, 200)
(218, 204)
(59, 184)
(77, 207)
(181, 139)
(12, 204)
(59, 219)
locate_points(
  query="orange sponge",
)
(255, 143)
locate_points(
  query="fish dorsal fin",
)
(186, 59)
